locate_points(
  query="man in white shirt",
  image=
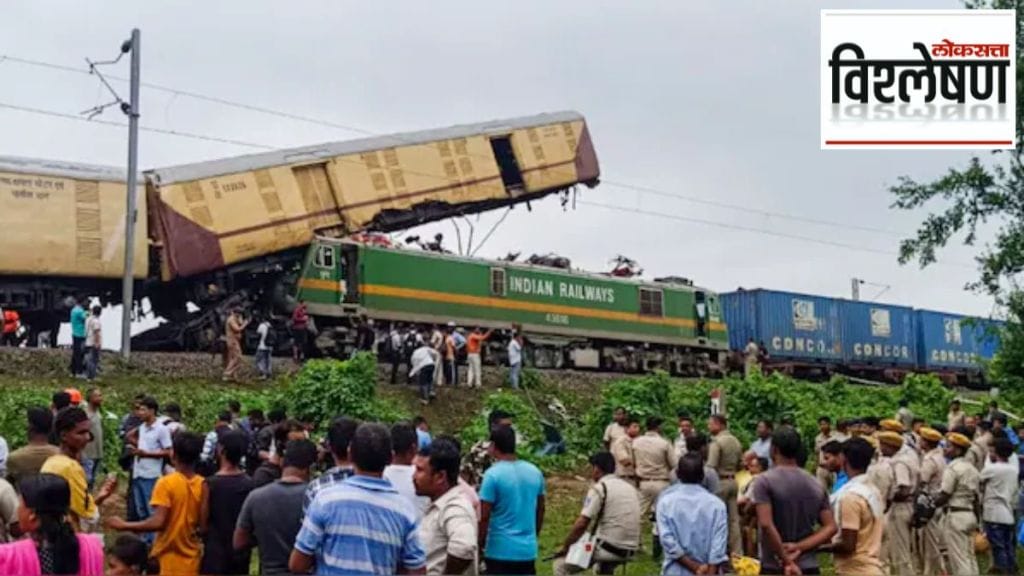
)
(263, 350)
(423, 363)
(515, 359)
(762, 446)
(448, 530)
(152, 444)
(999, 487)
(404, 446)
(93, 343)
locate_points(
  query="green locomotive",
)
(571, 319)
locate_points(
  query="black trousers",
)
(77, 355)
(510, 567)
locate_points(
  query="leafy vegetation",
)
(324, 389)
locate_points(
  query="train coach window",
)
(651, 302)
(497, 281)
(325, 257)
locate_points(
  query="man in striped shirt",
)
(362, 525)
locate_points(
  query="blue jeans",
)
(1004, 548)
(425, 377)
(263, 362)
(142, 491)
(91, 467)
(513, 374)
(92, 362)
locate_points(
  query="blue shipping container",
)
(793, 327)
(878, 334)
(952, 341)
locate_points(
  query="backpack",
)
(271, 338)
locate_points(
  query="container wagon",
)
(62, 236)
(878, 340)
(572, 319)
(955, 346)
(801, 333)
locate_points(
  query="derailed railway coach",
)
(571, 319)
(232, 233)
(62, 234)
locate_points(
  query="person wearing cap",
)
(75, 395)
(905, 471)
(654, 461)
(725, 456)
(933, 464)
(959, 494)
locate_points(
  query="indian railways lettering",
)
(921, 73)
(546, 287)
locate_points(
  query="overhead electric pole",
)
(130, 108)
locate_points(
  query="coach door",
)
(701, 310)
(505, 156)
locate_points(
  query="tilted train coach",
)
(229, 232)
(572, 319)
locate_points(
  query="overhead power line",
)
(355, 129)
(179, 133)
(758, 211)
(732, 226)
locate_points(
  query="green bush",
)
(324, 389)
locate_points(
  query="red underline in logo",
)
(919, 142)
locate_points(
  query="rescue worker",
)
(959, 495)
(233, 329)
(933, 464)
(905, 477)
(725, 456)
(880, 474)
(751, 356)
(655, 460)
(825, 435)
(11, 323)
(622, 450)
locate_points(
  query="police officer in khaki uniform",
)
(905, 468)
(622, 450)
(959, 495)
(932, 538)
(977, 453)
(654, 460)
(725, 456)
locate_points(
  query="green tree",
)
(985, 191)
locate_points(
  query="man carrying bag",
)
(607, 531)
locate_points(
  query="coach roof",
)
(189, 172)
(61, 169)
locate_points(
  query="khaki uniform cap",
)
(891, 425)
(958, 440)
(890, 438)
(930, 434)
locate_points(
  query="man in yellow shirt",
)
(176, 504)
(72, 429)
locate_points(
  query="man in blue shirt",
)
(511, 508)
(692, 523)
(361, 525)
(422, 432)
(78, 339)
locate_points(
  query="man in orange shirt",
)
(176, 505)
(473, 345)
(11, 322)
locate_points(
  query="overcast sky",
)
(710, 100)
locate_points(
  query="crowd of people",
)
(431, 354)
(889, 496)
(364, 499)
